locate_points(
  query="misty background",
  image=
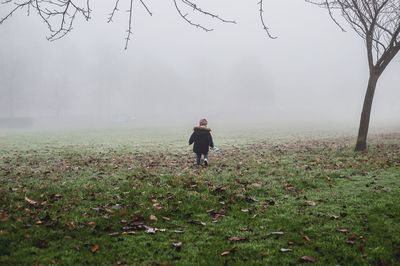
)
(174, 74)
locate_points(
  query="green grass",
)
(99, 189)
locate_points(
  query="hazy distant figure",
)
(202, 139)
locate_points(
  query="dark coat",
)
(202, 139)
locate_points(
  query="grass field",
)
(134, 197)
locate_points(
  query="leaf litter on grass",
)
(159, 201)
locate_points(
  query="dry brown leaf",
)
(342, 230)
(352, 237)
(283, 250)
(94, 248)
(71, 226)
(3, 216)
(308, 259)
(306, 238)
(153, 218)
(157, 206)
(91, 223)
(236, 238)
(289, 188)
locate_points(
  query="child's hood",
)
(199, 129)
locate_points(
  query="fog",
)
(312, 75)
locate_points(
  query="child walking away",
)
(202, 139)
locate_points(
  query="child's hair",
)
(203, 122)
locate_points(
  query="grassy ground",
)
(134, 197)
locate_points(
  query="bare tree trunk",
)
(366, 113)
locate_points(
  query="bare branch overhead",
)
(261, 3)
(60, 15)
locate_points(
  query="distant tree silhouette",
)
(378, 23)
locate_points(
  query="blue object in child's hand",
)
(215, 149)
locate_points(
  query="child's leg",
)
(206, 159)
(198, 158)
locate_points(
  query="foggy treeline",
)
(172, 74)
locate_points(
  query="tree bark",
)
(361, 144)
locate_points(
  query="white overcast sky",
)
(313, 74)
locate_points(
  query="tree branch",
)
(261, 3)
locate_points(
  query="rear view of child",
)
(202, 139)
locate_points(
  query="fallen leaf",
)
(257, 185)
(55, 196)
(334, 217)
(3, 216)
(197, 222)
(289, 187)
(306, 238)
(165, 218)
(236, 238)
(361, 248)
(310, 203)
(342, 230)
(276, 233)
(150, 230)
(245, 210)
(116, 207)
(220, 189)
(92, 223)
(71, 226)
(249, 199)
(31, 202)
(121, 262)
(216, 215)
(285, 250)
(157, 206)
(177, 246)
(226, 253)
(94, 248)
(351, 239)
(129, 233)
(307, 259)
(153, 218)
